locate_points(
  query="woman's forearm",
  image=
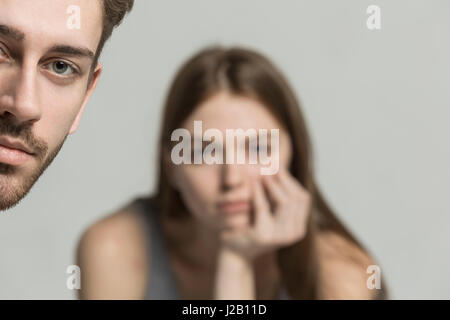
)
(234, 277)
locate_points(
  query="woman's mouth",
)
(233, 207)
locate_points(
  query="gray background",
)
(376, 103)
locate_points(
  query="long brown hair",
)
(245, 72)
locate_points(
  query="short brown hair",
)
(113, 13)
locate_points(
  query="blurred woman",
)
(223, 230)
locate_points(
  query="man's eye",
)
(61, 68)
(2, 52)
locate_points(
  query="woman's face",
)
(219, 195)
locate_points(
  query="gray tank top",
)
(162, 284)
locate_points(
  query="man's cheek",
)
(62, 116)
(52, 130)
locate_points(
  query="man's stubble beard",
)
(10, 198)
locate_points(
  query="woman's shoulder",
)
(343, 268)
(334, 245)
(119, 228)
(115, 246)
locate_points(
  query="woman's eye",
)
(61, 68)
(2, 52)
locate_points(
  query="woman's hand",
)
(282, 226)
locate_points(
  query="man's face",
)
(44, 73)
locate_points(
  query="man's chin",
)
(15, 182)
(12, 190)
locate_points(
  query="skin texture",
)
(41, 104)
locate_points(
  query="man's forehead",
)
(50, 22)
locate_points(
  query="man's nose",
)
(18, 96)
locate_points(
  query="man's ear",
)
(95, 76)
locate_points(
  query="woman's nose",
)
(232, 175)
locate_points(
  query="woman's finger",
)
(260, 203)
(276, 193)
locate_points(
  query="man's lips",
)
(14, 152)
(234, 206)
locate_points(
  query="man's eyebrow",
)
(74, 51)
(17, 35)
(11, 32)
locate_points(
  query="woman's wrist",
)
(235, 276)
(235, 261)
